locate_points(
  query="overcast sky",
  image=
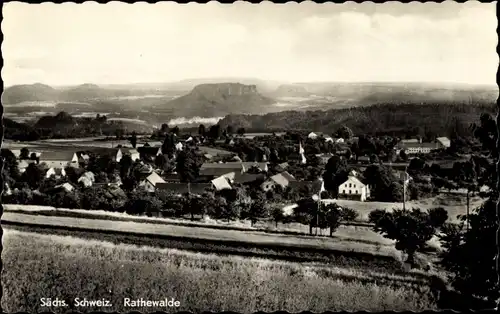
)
(64, 44)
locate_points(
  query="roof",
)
(248, 177)
(85, 180)
(356, 179)
(57, 156)
(154, 179)
(411, 140)
(221, 183)
(66, 186)
(169, 177)
(420, 145)
(283, 178)
(113, 192)
(444, 140)
(89, 175)
(181, 188)
(132, 150)
(24, 163)
(104, 151)
(249, 164)
(57, 171)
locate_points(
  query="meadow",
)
(43, 265)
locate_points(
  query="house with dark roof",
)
(59, 159)
(181, 188)
(218, 169)
(114, 153)
(248, 178)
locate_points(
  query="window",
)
(349, 191)
(343, 191)
(356, 192)
(354, 185)
(350, 184)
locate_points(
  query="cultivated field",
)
(39, 265)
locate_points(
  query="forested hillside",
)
(412, 118)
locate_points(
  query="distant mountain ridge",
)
(219, 99)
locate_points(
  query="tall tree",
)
(335, 174)
(411, 229)
(201, 130)
(187, 166)
(25, 153)
(133, 139)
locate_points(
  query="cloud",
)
(120, 43)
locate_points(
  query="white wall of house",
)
(52, 171)
(119, 155)
(354, 188)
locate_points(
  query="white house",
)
(312, 136)
(443, 142)
(132, 152)
(87, 179)
(57, 172)
(151, 181)
(354, 188)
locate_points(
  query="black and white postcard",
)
(249, 157)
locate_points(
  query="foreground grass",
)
(39, 265)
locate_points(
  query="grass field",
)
(453, 205)
(39, 265)
(237, 237)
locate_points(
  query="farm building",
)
(59, 159)
(282, 179)
(353, 188)
(183, 188)
(151, 181)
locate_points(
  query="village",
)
(281, 168)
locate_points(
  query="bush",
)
(349, 214)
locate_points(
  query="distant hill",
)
(32, 92)
(371, 93)
(188, 84)
(212, 100)
(439, 119)
(291, 90)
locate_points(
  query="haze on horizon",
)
(117, 43)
